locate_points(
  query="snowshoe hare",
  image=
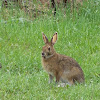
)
(63, 68)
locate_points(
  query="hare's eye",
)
(49, 48)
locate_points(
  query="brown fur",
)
(61, 67)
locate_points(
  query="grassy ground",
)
(22, 76)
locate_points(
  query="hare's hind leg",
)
(50, 78)
(70, 82)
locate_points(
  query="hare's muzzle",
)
(43, 54)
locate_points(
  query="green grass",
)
(22, 76)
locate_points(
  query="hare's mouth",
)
(43, 56)
(48, 55)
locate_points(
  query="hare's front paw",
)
(50, 79)
(63, 85)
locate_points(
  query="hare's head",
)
(48, 50)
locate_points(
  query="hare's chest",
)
(50, 69)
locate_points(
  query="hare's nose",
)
(42, 54)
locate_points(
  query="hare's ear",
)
(45, 38)
(54, 38)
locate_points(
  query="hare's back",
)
(68, 63)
